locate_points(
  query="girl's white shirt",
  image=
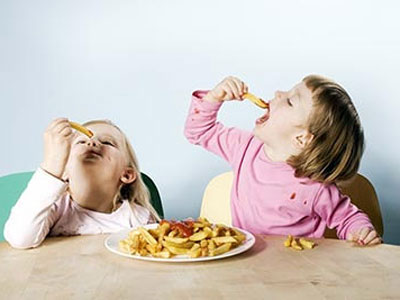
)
(45, 208)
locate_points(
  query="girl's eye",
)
(107, 143)
(80, 142)
(289, 102)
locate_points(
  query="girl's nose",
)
(92, 142)
(278, 94)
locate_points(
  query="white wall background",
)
(137, 62)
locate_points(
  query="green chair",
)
(11, 187)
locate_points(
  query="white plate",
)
(112, 241)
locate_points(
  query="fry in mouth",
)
(257, 101)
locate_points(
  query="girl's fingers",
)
(234, 89)
(239, 85)
(228, 92)
(363, 234)
(66, 131)
(375, 241)
(371, 236)
(56, 122)
(60, 127)
(245, 89)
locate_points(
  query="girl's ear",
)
(303, 139)
(128, 176)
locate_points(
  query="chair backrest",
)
(363, 195)
(11, 187)
(216, 201)
(216, 204)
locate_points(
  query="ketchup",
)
(185, 227)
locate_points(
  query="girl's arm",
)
(35, 212)
(338, 212)
(202, 128)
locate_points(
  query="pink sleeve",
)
(202, 129)
(338, 211)
(35, 212)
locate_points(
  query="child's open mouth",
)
(263, 118)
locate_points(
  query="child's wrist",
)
(209, 97)
(52, 170)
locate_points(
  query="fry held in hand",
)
(81, 129)
(257, 101)
(191, 238)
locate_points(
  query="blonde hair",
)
(335, 151)
(135, 192)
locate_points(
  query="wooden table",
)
(82, 268)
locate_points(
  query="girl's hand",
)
(365, 237)
(57, 145)
(228, 89)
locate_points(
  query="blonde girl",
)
(83, 186)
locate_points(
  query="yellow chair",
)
(216, 204)
(216, 201)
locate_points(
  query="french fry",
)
(176, 240)
(81, 129)
(195, 253)
(223, 239)
(203, 243)
(198, 225)
(164, 228)
(135, 242)
(143, 252)
(204, 251)
(195, 247)
(257, 101)
(306, 243)
(176, 250)
(147, 236)
(187, 245)
(173, 233)
(163, 254)
(239, 237)
(165, 241)
(198, 236)
(295, 245)
(221, 249)
(211, 245)
(133, 233)
(151, 249)
(288, 241)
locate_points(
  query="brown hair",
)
(335, 151)
(135, 192)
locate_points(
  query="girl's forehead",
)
(303, 92)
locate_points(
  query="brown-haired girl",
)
(286, 170)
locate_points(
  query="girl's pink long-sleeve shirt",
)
(46, 208)
(266, 197)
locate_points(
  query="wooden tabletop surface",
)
(82, 268)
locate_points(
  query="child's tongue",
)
(263, 118)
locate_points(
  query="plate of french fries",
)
(180, 241)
